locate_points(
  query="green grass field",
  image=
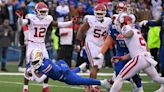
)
(14, 83)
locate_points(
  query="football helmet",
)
(121, 7)
(100, 11)
(124, 19)
(36, 58)
(41, 10)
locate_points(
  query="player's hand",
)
(19, 13)
(143, 23)
(74, 19)
(120, 36)
(115, 59)
(99, 56)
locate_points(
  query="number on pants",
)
(40, 33)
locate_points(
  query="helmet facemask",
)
(42, 13)
(100, 15)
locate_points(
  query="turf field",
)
(13, 82)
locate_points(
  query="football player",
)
(42, 68)
(37, 28)
(95, 27)
(141, 58)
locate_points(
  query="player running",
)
(37, 25)
(42, 68)
(141, 58)
(95, 28)
(122, 50)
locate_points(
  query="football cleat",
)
(25, 90)
(46, 89)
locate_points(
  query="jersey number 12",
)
(39, 32)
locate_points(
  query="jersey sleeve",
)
(29, 17)
(88, 19)
(85, 19)
(50, 18)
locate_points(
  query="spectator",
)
(10, 14)
(73, 10)
(140, 4)
(155, 4)
(143, 14)
(66, 43)
(5, 39)
(1, 5)
(62, 10)
(91, 6)
(110, 9)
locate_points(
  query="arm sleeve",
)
(65, 24)
(38, 79)
(155, 23)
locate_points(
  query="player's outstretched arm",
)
(64, 24)
(120, 58)
(37, 77)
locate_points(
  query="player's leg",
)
(135, 80)
(82, 67)
(45, 54)
(72, 78)
(129, 70)
(152, 72)
(29, 48)
(95, 64)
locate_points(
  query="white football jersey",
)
(38, 27)
(98, 30)
(136, 44)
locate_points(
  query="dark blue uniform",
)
(60, 71)
(121, 50)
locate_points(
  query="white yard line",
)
(82, 74)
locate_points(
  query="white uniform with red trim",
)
(37, 29)
(95, 37)
(141, 59)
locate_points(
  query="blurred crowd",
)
(64, 10)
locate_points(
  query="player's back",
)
(38, 27)
(51, 69)
(136, 44)
(121, 48)
(98, 30)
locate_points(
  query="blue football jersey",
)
(52, 70)
(121, 48)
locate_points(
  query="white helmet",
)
(41, 10)
(100, 11)
(125, 19)
(36, 58)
